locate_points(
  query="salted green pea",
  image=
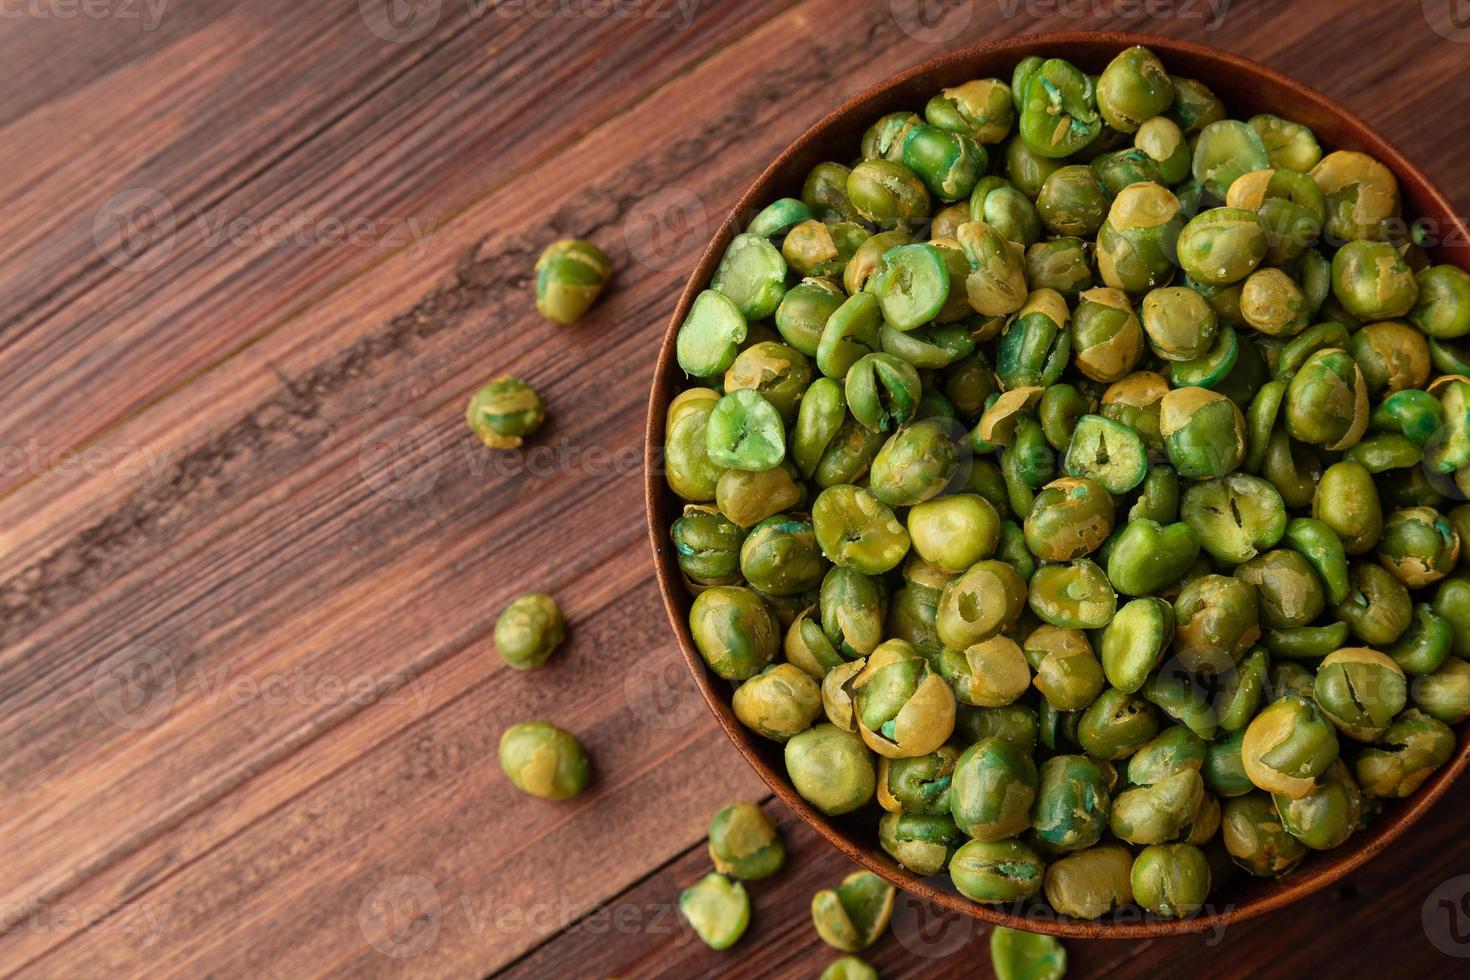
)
(1147, 556)
(1392, 355)
(856, 529)
(991, 674)
(1001, 205)
(1223, 770)
(1017, 723)
(982, 108)
(949, 163)
(819, 418)
(1158, 812)
(504, 412)
(853, 915)
(1384, 451)
(992, 789)
(1180, 324)
(1415, 414)
(1452, 603)
(1115, 725)
(884, 139)
(717, 909)
(832, 769)
(1216, 367)
(903, 707)
(804, 311)
(1174, 749)
(1194, 106)
(1171, 880)
(1125, 167)
(1372, 281)
(1425, 645)
(1074, 595)
(848, 968)
(1327, 816)
(983, 602)
(1108, 453)
(1180, 693)
(543, 760)
(887, 193)
(1256, 839)
(1035, 346)
(918, 784)
(1068, 674)
(778, 373)
(1419, 546)
(1073, 201)
(1137, 246)
(1164, 143)
(1287, 746)
(1289, 591)
(779, 216)
(816, 248)
(1448, 449)
(1158, 498)
(915, 464)
(1026, 465)
(743, 843)
(1361, 194)
(1444, 694)
(1217, 621)
(882, 391)
(824, 192)
(1414, 746)
(1272, 303)
(1378, 607)
(848, 455)
(1360, 691)
(1058, 110)
(852, 607)
(752, 274)
(1061, 406)
(1203, 432)
(1309, 643)
(868, 258)
(1346, 500)
(1025, 169)
(996, 872)
(952, 533)
(1069, 518)
(1091, 883)
(1288, 144)
(744, 431)
(710, 336)
(1134, 642)
(734, 631)
(1134, 87)
(912, 285)
(779, 702)
(996, 285)
(807, 647)
(569, 275)
(922, 844)
(1292, 209)
(529, 631)
(1235, 517)
(1062, 264)
(707, 544)
(1442, 309)
(1225, 151)
(688, 469)
(1107, 337)
(1072, 803)
(1260, 423)
(852, 331)
(1222, 246)
(1244, 691)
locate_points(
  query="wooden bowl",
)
(1247, 88)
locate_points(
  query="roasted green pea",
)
(1173, 750)
(912, 285)
(781, 557)
(1289, 591)
(779, 702)
(1179, 323)
(918, 784)
(1361, 194)
(1272, 303)
(1194, 106)
(996, 872)
(915, 464)
(1222, 246)
(848, 968)
(1068, 674)
(807, 647)
(882, 391)
(1158, 498)
(1025, 169)
(1203, 431)
(1217, 620)
(996, 285)
(1392, 355)
(1137, 246)
(1148, 556)
(1452, 603)
(543, 760)
(1305, 642)
(1074, 594)
(1419, 546)
(955, 532)
(1287, 746)
(688, 469)
(1180, 694)
(848, 455)
(744, 431)
(1289, 145)
(1058, 112)
(832, 769)
(743, 843)
(1292, 209)
(710, 336)
(992, 790)
(504, 412)
(717, 909)
(992, 673)
(982, 108)
(1415, 414)
(1378, 607)
(1372, 281)
(707, 545)
(1425, 644)
(903, 708)
(884, 139)
(1071, 806)
(825, 193)
(819, 418)
(999, 204)
(1360, 691)
(869, 257)
(1256, 839)
(1414, 746)
(983, 602)
(855, 528)
(1225, 151)
(1171, 880)
(1152, 814)
(887, 193)
(1061, 264)
(1106, 335)
(804, 311)
(1016, 723)
(1134, 642)
(1346, 500)
(569, 275)
(1091, 883)
(1327, 816)
(1134, 87)
(949, 163)
(922, 844)
(1126, 167)
(816, 248)
(1069, 519)
(1108, 453)
(752, 274)
(734, 631)
(529, 630)
(779, 374)
(1073, 201)
(853, 915)
(1115, 725)
(1035, 346)
(1442, 309)
(1061, 406)
(1223, 770)
(779, 216)
(1444, 694)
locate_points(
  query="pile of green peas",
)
(1077, 474)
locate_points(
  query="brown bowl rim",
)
(1321, 869)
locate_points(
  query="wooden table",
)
(256, 256)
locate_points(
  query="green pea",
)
(744, 431)
(1292, 209)
(1068, 674)
(831, 769)
(978, 605)
(1137, 246)
(1444, 694)
(1414, 746)
(1035, 346)
(903, 707)
(543, 760)
(1452, 603)
(856, 529)
(816, 248)
(849, 454)
(1305, 642)
(853, 915)
(1327, 816)
(1225, 151)
(918, 784)
(1106, 335)
(1073, 201)
(1069, 519)
(1287, 746)
(1442, 309)
(1360, 691)
(1289, 145)
(1171, 880)
(949, 163)
(1235, 517)
(504, 412)
(1272, 303)
(1425, 645)
(1115, 725)
(996, 872)
(1058, 112)
(1061, 406)
(955, 532)
(1222, 246)
(1214, 367)
(882, 391)
(1123, 168)
(922, 844)
(868, 258)
(1180, 324)
(1091, 883)
(1289, 591)
(825, 193)
(1061, 264)
(1372, 281)
(1110, 454)
(1164, 142)
(1223, 769)
(887, 193)
(1134, 87)
(707, 544)
(780, 374)
(569, 275)
(911, 284)
(1256, 839)
(710, 336)
(807, 647)
(1074, 595)
(1013, 550)
(804, 311)
(1203, 431)
(743, 843)
(850, 333)
(1147, 556)
(884, 139)
(752, 274)
(916, 464)
(779, 217)
(1217, 620)
(1134, 642)
(996, 286)
(688, 468)
(734, 631)
(1346, 500)
(848, 968)
(1158, 500)
(1419, 546)
(1194, 106)
(529, 630)
(982, 109)
(1180, 694)
(998, 203)
(1016, 723)
(1243, 693)
(1071, 806)
(992, 790)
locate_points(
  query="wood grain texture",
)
(248, 702)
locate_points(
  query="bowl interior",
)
(1246, 88)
